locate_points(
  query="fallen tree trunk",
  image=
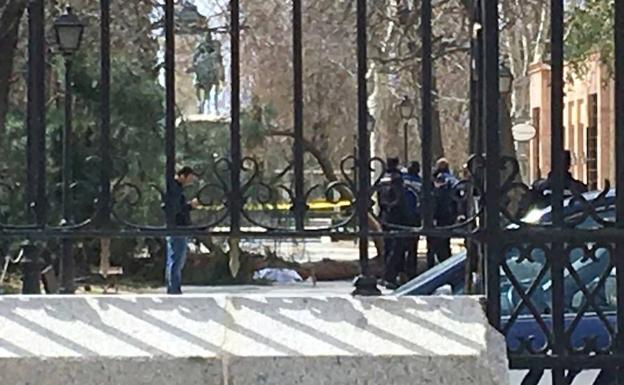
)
(212, 268)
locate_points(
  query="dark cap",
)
(185, 171)
(414, 167)
(392, 163)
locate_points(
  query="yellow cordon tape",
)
(313, 206)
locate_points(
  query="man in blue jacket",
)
(177, 246)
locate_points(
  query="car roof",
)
(545, 213)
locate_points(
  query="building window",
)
(569, 132)
(579, 144)
(592, 143)
(536, 171)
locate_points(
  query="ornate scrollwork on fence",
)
(257, 192)
(597, 261)
(528, 292)
(279, 199)
(213, 195)
(525, 269)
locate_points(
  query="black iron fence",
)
(574, 254)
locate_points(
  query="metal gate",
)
(558, 249)
(581, 234)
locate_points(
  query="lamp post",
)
(406, 107)
(505, 85)
(68, 29)
(370, 125)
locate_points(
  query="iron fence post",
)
(557, 172)
(366, 284)
(170, 145)
(427, 120)
(31, 267)
(106, 162)
(298, 151)
(35, 186)
(619, 161)
(476, 83)
(236, 198)
(67, 260)
(475, 135)
(491, 99)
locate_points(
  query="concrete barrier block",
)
(111, 371)
(245, 340)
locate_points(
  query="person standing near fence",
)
(393, 203)
(413, 191)
(385, 188)
(445, 210)
(177, 246)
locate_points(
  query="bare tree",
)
(524, 39)
(11, 12)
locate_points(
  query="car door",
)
(589, 265)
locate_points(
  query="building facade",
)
(588, 123)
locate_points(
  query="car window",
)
(524, 269)
(605, 299)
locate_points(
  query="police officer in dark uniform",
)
(413, 190)
(392, 203)
(392, 167)
(445, 210)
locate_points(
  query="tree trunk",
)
(388, 119)
(436, 131)
(10, 16)
(437, 150)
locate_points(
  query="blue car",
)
(590, 264)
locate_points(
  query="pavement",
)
(295, 289)
(341, 288)
(247, 339)
(314, 250)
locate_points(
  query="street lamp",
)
(505, 79)
(406, 108)
(68, 29)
